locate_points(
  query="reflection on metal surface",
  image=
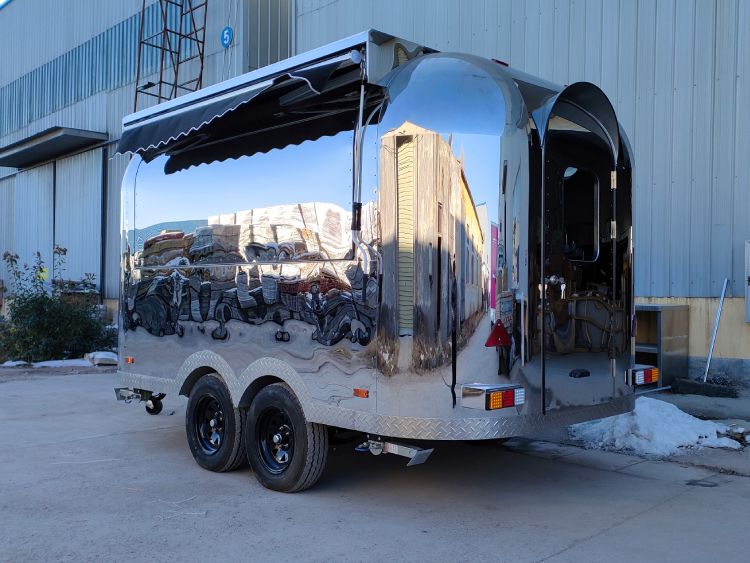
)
(338, 305)
(430, 187)
(454, 200)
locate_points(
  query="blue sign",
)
(227, 35)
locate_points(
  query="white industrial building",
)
(677, 73)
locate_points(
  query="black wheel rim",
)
(209, 424)
(275, 438)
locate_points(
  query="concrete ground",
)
(84, 478)
(710, 407)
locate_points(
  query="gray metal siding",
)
(37, 31)
(102, 63)
(741, 196)
(89, 84)
(32, 201)
(268, 31)
(7, 225)
(78, 211)
(676, 72)
(81, 75)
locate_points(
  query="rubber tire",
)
(310, 442)
(231, 453)
(156, 406)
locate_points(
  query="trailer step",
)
(415, 454)
(127, 395)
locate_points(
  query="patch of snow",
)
(15, 364)
(80, 363)
(653, 428)
(102, 358)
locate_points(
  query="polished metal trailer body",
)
(419, 245)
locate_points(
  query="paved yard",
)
(84, 478)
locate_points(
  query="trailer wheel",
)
(154, 406)
(286, 452)
(214, 427)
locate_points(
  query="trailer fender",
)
(265, 371)
(202, 363)
(242, 388)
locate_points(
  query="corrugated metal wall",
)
(78, 212)
(7, 224)
(81, 75)
(269, 37)
(104, 62)
(33, 216)
(37, 31)
(677, 73)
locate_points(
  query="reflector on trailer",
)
(489, 397)
(646, 376)
(501, 399)
(498, 336)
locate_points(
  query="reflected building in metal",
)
(426, 206)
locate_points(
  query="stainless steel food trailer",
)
(375, 238)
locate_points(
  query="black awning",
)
(271, 122)
(156, 133)
(50, 143)
(193, 123)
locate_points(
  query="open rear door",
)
(585, 280)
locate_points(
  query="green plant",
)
(50, 320)
(3, 357)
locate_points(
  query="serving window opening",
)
(579, 208)
(582, 294)
(580, 287)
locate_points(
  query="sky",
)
(313, 171)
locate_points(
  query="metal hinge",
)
(613, 229)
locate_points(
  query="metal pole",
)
(543, 273)
(523, 331)
(716, 328)
(138, 61)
